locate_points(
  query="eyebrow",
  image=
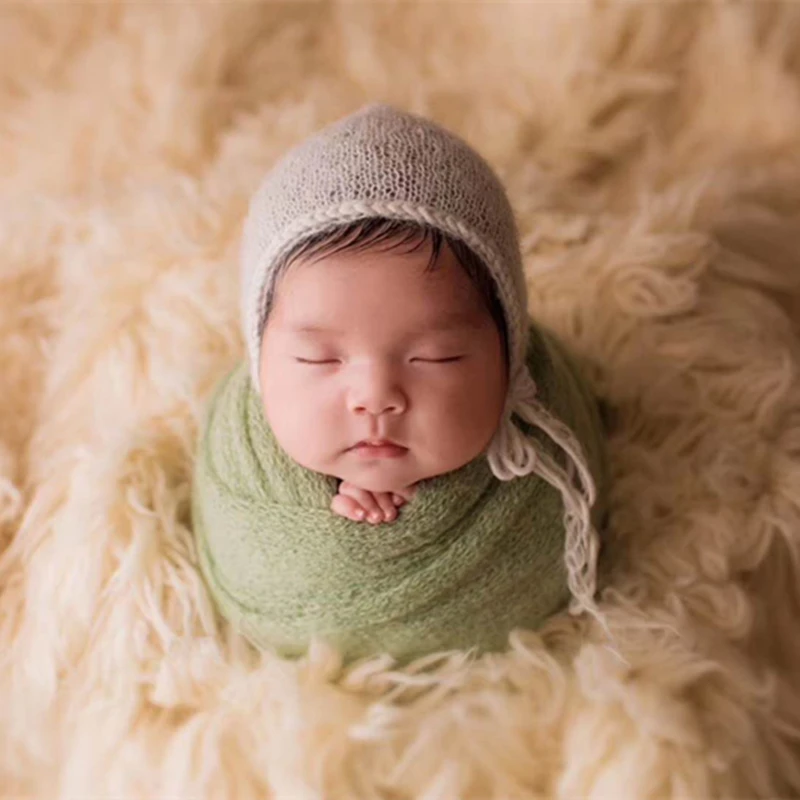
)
(446, 322)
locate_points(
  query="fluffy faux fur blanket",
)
(651, 154)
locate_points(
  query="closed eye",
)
(425, 360)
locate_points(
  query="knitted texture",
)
(382, 162)
(469, 559)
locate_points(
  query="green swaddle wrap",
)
(469, 559)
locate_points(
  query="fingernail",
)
(360, 513)
(397, 499)
(375, 517)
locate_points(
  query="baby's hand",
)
(361, 505)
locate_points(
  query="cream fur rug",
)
(652, 153)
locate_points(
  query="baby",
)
(383, 360)
(385, 312)
(391, 358)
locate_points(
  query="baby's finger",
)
(387, 505)
(347, 507)
(407, 493)
(365, 499)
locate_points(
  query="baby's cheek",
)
(301, 427)
(462, 426)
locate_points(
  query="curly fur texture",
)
(651, 154)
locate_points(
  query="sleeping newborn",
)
(391, 362)
(383, 361)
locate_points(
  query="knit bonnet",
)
(385, 162)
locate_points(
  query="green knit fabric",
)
(468, 559)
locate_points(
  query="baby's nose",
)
(378, 394)
(376, 408)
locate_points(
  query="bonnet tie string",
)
(513, 454)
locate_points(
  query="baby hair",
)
(390, 235)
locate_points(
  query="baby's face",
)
(356, 348)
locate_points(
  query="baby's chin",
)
(380, 477)
(392, 474)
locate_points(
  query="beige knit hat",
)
(383, 162)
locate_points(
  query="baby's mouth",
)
(377, 443)
(378, 448)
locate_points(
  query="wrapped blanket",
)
(469, 559)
